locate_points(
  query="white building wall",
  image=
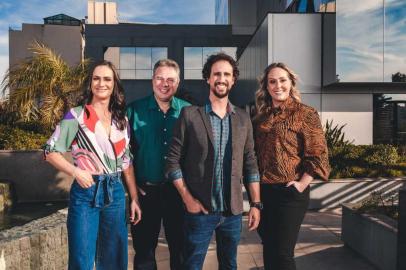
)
(355, 111)
(296, 39)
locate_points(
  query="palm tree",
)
(43, 87)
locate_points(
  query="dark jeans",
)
(199, 229)
(97, 229)
(161, 203)
(283, 213)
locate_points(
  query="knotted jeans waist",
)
(103, 196)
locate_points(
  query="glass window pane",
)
(193, 57)
(395, 40)
(127, 58)
(231, 51)
(126, 74)
(158, 54)
(359, 40)
(193, 74)
(143, 58)
(143, 74)
(207, 51)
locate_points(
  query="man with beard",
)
(152, 119)
(212, 150)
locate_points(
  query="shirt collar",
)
(285, 105)
(153, 105)
(209, 109)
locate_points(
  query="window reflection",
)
(395, 39)
(371, 40)
(195, 57)
(310, 6)
(135, 62)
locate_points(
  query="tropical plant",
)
(335, 136)
(43, 86)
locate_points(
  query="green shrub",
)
(365, 161)
(381, 154)
(17, 139)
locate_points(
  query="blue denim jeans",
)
(199, 229)
(97, 230)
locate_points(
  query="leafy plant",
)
(379, 202)
(335, 136)
(43, 87)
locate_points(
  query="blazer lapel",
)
(207, 124)
(234, 131)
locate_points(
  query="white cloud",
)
(4, 40)
(353, 7)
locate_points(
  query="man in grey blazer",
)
(211, 153)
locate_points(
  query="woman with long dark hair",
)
(97, 134)
(291, 151)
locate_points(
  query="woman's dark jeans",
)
(283, 213)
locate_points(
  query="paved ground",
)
(319, 247)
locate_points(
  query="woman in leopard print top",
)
(291, 151)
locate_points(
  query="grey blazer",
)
(192, 152)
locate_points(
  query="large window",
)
(390, 119)
(371, 40)
(310, 6)
(195, 57)
(135, 62)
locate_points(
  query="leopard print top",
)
(289, 142)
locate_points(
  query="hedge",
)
(12, 138)
(366, 161)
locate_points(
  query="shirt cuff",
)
(251, 178)
(175, 175)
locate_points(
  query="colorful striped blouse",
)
(92, 148)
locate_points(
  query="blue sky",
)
(15, 12)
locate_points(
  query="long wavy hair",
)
(117, 100)
(263, 100)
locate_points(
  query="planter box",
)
(373, 238)
(333, 193)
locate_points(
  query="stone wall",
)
(41, 244)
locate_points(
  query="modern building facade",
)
(350, 56)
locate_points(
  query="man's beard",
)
(221, 95)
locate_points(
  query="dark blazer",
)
(192, 151)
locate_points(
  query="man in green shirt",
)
(152, 119)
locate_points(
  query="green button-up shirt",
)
(151, 135)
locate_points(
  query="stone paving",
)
(319, 247)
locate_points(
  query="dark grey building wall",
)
(174, 37)
(269, 6)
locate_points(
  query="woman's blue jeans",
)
(97, 230)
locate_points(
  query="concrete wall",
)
(33, 179)
(64, 40)
(373, 238)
